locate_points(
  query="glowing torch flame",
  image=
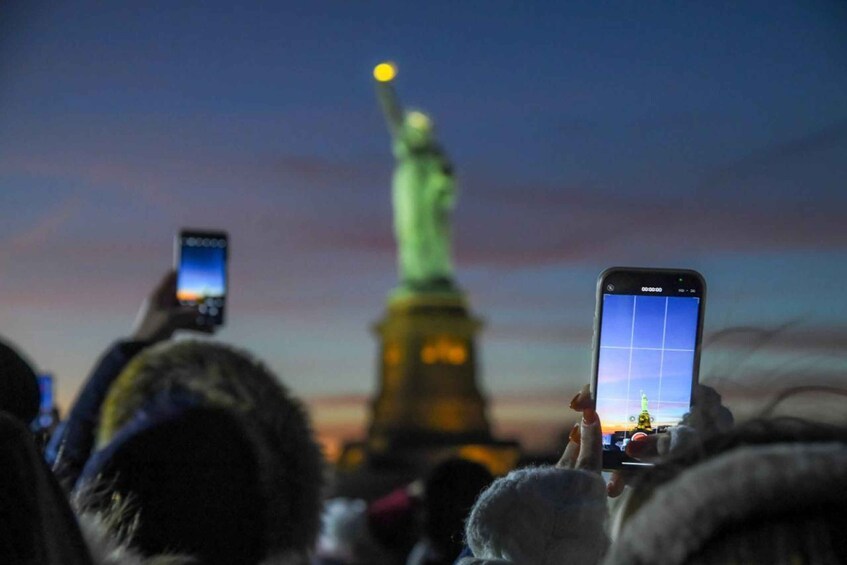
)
(385, 72)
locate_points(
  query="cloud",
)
(522, 225)
(749, 392)
(43, 231)
(312, 203)
(787, 337)
(538, 333)
(562, 227)
(777, 155)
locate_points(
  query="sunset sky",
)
(710, 136)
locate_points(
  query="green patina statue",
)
(423, 194)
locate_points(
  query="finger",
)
(165, 292)
(590, 456)
(568, 459)
(584, 403)
(583, 399)
(644, 448)
(616, 484)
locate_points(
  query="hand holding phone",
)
(647, 334)
(161, 315)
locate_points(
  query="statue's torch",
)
(385, 72)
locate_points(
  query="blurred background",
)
(710, 136)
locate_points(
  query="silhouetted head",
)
(36, 521)
(449, 494)
(193, 483)
(203, 436)
(19, 394)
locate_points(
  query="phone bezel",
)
(639, 273)
(218, 234)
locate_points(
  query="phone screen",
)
(647, 355)
(201, 274)
(45, 387)
(45, 420)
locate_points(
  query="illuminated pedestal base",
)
(428, 406)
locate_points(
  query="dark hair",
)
(194, 484)
(19, 394)
(219, 376)
(450, 491)
(36, 521)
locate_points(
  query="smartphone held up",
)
(201, 264)
(646, 354)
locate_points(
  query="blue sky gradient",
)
(710, 136)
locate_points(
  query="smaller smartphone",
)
(201, 264)
(45, 387)
(47, 404)
(648, 326)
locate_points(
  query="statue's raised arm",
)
(384, 74)
(423, 194)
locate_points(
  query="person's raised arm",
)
(158, 318)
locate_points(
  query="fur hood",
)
(171, 385)
(107, 549)
(755, 504)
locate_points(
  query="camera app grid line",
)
(646, 347)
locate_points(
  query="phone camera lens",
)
(610, 287)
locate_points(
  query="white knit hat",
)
(539, 516)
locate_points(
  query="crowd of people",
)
(192, 451)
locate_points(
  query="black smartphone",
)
(45, 418)
(45, 388)
(648, 326)
(201, 263)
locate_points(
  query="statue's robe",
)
(423, 194)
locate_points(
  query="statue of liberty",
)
(644, 419)
(423, 194)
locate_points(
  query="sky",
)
(710, 136)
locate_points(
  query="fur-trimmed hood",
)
(222, 393)
(755, 504)
(106, 549)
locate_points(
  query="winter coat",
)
(148, 415)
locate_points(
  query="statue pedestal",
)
(428, 406)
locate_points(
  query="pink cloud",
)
(787, 337)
